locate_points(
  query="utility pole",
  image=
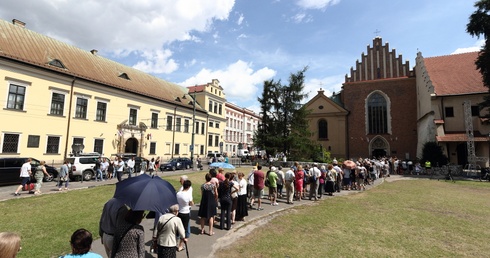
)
(193, 126)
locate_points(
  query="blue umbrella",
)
(146, 192)
(222, 165)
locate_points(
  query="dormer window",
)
(57, 63)
(124, 76)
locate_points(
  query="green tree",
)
(433, 152)
(284, 127)
(479, 26)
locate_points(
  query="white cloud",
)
(316, 4)
(157, 61)
(239, 81)
(329, 84)
(477, 47)
(240, 19)
(302, 18)
(120, 27)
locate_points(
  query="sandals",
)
(211, 233)
(203, 232)
(181, 249)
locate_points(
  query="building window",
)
(169, 123)
(449, 111)
(216, 125)
(475, 111)
(16, 97)
(57, 104)
(177, 149)
(210, 106)
(220, 108)
(377, 114)
(203, 127)
(133, 114)
(99, 146)
(167, 147)
(101, 111)
(322, 130)
(77, 146)
(215, 108)
(197, 128)
(201, 150)
(81, 109)
(186, 125)
(154, 120)
(10, 143)
(210, 140)
(210, 124)
(33, 141)
(216, 140)
(178, 122)
(153, 148)
(53, 144)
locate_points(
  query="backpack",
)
(266, 182)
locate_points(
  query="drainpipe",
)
(65, 154)
(173, 132)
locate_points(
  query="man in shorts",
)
(25, 175)
(258, 191)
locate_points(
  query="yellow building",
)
(212, 97)
(58, 100)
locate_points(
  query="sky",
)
(243, 43)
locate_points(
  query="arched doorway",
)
(379, 147)
(131, 146)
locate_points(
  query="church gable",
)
(379, 63)
(321, 104)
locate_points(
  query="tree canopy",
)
(284, 127)
(479, 26)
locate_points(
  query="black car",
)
(10, 170)
(176, 163)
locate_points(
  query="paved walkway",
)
(198, 245)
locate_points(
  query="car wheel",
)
(187, 166)
(174, 168)
(87, 175)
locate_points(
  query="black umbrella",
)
(146, 192)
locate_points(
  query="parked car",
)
(10, 170)
(219, 157)
(176, 163)
(82, 166)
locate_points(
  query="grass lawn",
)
(415, 218)
(419, 218)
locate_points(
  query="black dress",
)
(207, 208)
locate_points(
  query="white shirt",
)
(183, 198)
(120, 166)
(314, 171)
(25, 169)
(131, 163)
(189, 190)
(289, 176)
(280, 177)
(243, 187)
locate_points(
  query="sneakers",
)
(275, 204)
(16, 194)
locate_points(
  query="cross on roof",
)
(376, 32)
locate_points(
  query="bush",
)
(433, 152)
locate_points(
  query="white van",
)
(242, 153)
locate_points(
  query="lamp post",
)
(193, 126)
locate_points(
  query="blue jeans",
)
(99, 173)
(130, 172)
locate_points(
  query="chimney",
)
(94, 52)
(19, 23)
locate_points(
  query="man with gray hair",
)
(315, 174)
(182, 180)
(165, 234)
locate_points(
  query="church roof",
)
(455, 74)
(23, 45)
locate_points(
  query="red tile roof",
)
(460, 137)
(455, 74)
